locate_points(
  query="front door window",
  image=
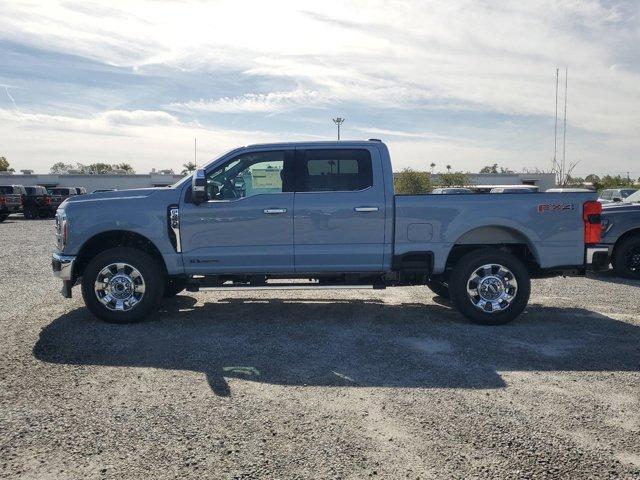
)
(248, 175)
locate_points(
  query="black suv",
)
(37, 203)
(621, 233)
(60, 194)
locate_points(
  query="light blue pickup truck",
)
(318, 215)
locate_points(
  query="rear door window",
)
(334, 170)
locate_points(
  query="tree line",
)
(91, 169)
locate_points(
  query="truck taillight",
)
(591, 217)
(47, 200)
(3, 200)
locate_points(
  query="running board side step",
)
(194, 287)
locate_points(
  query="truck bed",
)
(550, 224)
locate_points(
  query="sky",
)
(464, 83)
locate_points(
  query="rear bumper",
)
(597, 257)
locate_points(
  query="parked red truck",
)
(10, 200)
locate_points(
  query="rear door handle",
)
(366, 209)
(274, 211)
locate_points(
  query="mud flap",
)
(66, 288)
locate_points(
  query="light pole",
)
(338, 121)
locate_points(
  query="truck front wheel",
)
(490, 287)
(122, 285)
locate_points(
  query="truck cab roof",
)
(323, 143)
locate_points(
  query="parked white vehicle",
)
(616, 194)
(567, 190)
(450, 191)
(515, 189)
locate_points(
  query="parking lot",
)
(314, 384)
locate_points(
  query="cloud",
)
(138, 117)
(410, 135)
(147, 139)
(399, 66)
(6, 89)
(254, 102)
(111, 122)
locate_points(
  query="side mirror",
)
(198, 187)
(617, 199)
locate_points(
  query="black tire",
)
(173, 286)
(461, 276)
(149, 269)
(439, 288)
(3, 218)
(626, 258)
(29, 214)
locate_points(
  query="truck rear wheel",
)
(626, 259)
(490, 287)
(122, 285)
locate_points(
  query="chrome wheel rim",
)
(119, 287)
(492, 288)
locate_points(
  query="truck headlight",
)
(62, 231)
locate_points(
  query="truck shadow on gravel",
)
(610, 277)
(359, 343)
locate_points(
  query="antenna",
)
(564, 136)
(555, 128)
(195, 151)
(338, 121)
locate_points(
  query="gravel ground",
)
(332, 384)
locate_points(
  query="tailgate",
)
(13, 200)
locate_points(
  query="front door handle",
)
(274, 211)
(366, 209)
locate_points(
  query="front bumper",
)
(62, 266)
(597, 257)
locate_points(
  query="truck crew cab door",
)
(339, 222)
(246, 225)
